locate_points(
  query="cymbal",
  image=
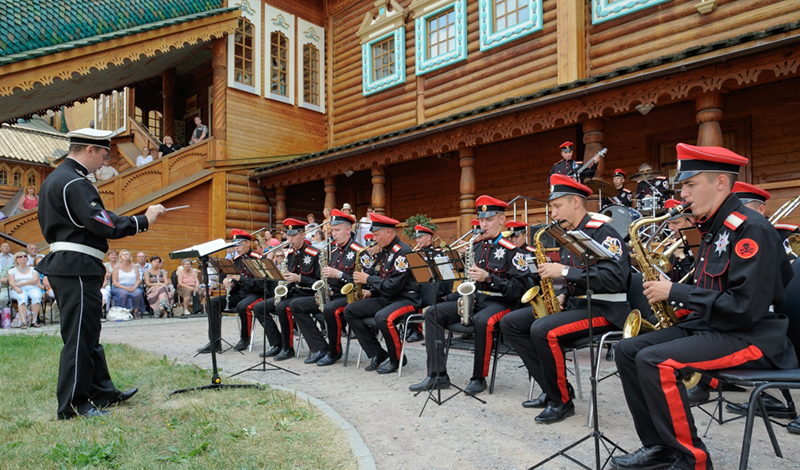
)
(646, 175)
(598, 185)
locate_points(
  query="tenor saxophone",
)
(322, 291)
(466, 289)
(354, 290)
(542, 297)
(282, 290)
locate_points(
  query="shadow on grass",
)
(236, 428)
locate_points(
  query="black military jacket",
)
(246, 284)
(304, 262)
(344, 259)
(625, 197)
(390, 276)
(610, 276)
(643, 189)
(70, 210)
(569, 167)
(741, 270)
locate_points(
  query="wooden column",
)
(709, 114)
(219, 128)
(330, 192)
(280, 205)
(168, 106)
(379, 189)
(593, 142)
(571, 41)
(466, 159)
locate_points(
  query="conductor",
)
(77, 226)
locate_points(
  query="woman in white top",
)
(25, 287)
(125, 285)
(145, 157)
(105, 291)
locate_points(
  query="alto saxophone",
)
(542, 297)
(466, 289)
(322, 291)
(282, 290)
(354, 290)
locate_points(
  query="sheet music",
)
(445, 268)
(593, 246)
(209, 247)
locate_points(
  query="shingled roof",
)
(33, 28)
(32, 142)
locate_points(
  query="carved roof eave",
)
(373, 27)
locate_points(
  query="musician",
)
(645, 187)
(568, 165)
(424, 237)
(683, 259)
(739, 275)
(338, 273)
(624, 195)
(302, 270)
(499, 275)
(608, 280)
(756, 198)
(390, 295)
(244, 292)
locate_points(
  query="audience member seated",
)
(167, 147)
(33, 254)
(158, 285)
(200, 131)
(318, 240)
(6, 257)
(4, 287)
(25, 288)
(106, 172)
(125, 285)
(144, 266)
(145, 157)
(29, 201)
(188, 285)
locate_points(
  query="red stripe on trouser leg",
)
(487, 353)
(558, 354)
(677, 408)
(393, 331)
(339, 325)
(249, 316)
(291, 326)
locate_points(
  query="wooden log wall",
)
(246, 207)
(674, 26)
(195, 82)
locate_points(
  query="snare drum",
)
(621, 216)
(650, 204)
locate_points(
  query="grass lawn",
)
(230, 429)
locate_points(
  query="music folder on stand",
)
(434, 267)
(583, 246)
(202, 252)
(265, 270)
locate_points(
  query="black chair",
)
(763, 380)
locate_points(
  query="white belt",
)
(608, 297)
(77, 247)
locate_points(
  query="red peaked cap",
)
(422, 230)
(749, 192)
(517, 226)
(561, 185)
(381, 221)
(488, 206)
(566, 144)
(238, 234)
(369, 236)
(618, 171)
(673, 203)
(475, 222)
(693, 160)
(339, 217)
(294, 226)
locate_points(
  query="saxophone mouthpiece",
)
(679, 209)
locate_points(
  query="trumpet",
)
(442, 244)
(787, 208)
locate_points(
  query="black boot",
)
(553, 414)
(646, 457)
(476, 386)
(428, 383)
(242, 344)
(207, 349)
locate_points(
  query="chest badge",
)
(400, 264)
(500, 253)
(350, 255)
(306, 259)
(520, 262)
(722, 243)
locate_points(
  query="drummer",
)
(651, 186)
(624, 195)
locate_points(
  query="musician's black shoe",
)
(698, 394)
(775, 408)
(391, 366)
(242, 344)
(273, 351)
(285, 354)
(377, 361)
(554, 414)
(329, 360)
(475, 386)
(207, 349)
(316, 357)
(540, 402)
(646, 458)
(125, 396)
(414, 337)
(428, 383)
(794, 426)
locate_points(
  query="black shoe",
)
(553, 414)
(285, 354)
(698, 394)
(316, 357)
(207, 349)
(242, 344)
(794, 426)
(90, 413)
(124, 396)
(475, 386)
(646, 458)
(429, 382)
(540, 402)
(273, 351)
(329, 360)
(775, 408)
(414, 337)
(390, 366)
(376, 361)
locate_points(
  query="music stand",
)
(202, 252)
(227, 267)
(588, 249)
(431, 267)
(264, 269)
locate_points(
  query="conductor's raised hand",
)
(153, 212)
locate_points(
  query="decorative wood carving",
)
(219, 108)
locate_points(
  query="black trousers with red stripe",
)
(263, 310)
(516, 328)
(335, 323)
(303, 311)
(488, 314)
(549, 334)
(242, 301)
(649, 366)
(387, 315)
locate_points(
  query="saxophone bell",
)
(466, 302)
(534, 297)
(635, 324)
(348, 290)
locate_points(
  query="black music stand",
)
(588, 249)
(227, 267)
(201, 252)
(431, 267)
(264, 269)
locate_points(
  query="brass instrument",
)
(322, 291)
(228, 296)
(466, 289)
(542, 298)
(282, 290)
(354, 290)
(787, 208)
(794, 243)
(442, 244)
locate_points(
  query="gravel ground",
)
(460, 434)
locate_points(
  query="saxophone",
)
(543, 297)
(466, 289)
(281, 291)
(354, 290)
(322, 291)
